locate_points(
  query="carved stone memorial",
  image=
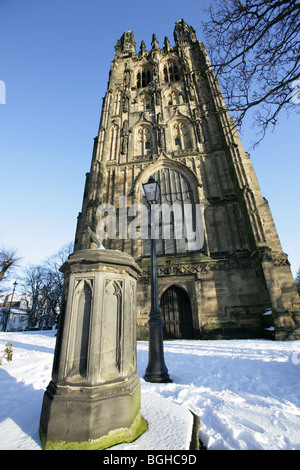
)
(93, 400)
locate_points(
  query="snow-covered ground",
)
(246, 392)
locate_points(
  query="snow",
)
(169, 425)
(246, 393)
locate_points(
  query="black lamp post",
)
(156, 370)
(11, 301)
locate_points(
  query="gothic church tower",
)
(164, 116)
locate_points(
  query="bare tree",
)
(8, 259)
(255, 50)
(33, 283)
(54, 279)
(43, 285)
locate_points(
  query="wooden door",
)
(176, 312)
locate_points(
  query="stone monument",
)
(94, 400)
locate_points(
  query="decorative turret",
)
(142, 48)
(166, 44)
(154, 42)
(183, 33)
(126, 45)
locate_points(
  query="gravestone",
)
(94, 400)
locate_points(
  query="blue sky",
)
(55, 58)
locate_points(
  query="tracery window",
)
(181, 136)
(143, 140)
(146, 102)
(171, 73)
(143, 78)
(174, 98)
(114, 142)
(117, 102)
(175, 230)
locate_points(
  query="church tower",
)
(163, 116)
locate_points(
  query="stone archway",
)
(176, 310)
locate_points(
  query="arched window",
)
(173, 98)
(174, 225)
(145, 101)
(177, 144)
(117, 102)
(143, 145)
(181, 135)
(114, 147)
(143, 78)
(171, 73)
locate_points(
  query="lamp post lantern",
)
(156, 370)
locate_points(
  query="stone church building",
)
(163, 116)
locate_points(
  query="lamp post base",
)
(156, 370)
(158, 378)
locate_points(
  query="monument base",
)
(97, 417)
(115, 437)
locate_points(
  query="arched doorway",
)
(176, 312)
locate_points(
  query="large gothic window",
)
(175, 216)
